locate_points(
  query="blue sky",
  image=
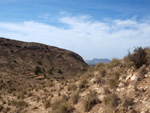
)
(91, 28)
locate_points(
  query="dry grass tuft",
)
(90, 101)
(72, 87)
(83, 84)
(61, 106)
(47, 104)
(74, 99)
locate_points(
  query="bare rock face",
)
(18, 57)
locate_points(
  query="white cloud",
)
(83, 35)
(44, 16)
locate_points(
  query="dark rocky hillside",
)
(18, 57)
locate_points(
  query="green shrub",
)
(139, 57)
(50, 71)
(39, 62)
(59, 71)
(37, 70)
(15, 61)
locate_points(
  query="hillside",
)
(121, 86)
(18, 57)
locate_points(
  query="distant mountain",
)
(96, 61)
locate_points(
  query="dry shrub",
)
(49, 84)
(127, 62)
(102, 72)
(100, 65)
(108, 109)
(106, 90)
(7, 110)
(142, 71)
(128, 102)
(115, 62)
(90, 100)
(19, 103)
(100, 80)
(83, 84)
(1, 107)
(74, 99)
(61, 106)
(47, 104)
(114, 79)
(147, 50)
(29, 94)
(139, 57)
(21, 95)
(101, 68)
(72, 87)
(65, 97)
(111, 100)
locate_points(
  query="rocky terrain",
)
(121, 86)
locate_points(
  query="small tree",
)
(59, 71)
(50, 71)
(39, 62)
(37, 70)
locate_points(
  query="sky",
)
(91, 28)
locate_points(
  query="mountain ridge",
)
(96, 61)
